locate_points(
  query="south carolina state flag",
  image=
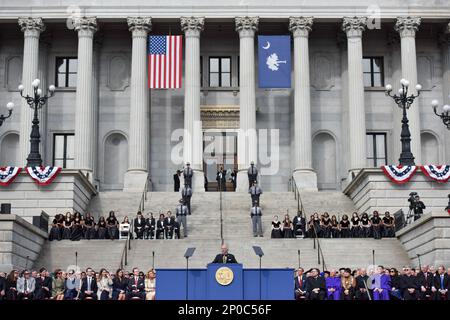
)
(274, 61)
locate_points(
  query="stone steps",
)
(204, 234)
(278, 253)
(91, 253)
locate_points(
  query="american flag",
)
(164, 62)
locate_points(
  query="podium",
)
(224, 281)
(212, 283)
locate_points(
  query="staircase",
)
(204, 234)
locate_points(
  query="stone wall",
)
(19, 240)
(70, 191)
(372, 190)
(428, 237)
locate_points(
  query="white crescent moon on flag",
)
(267, 45)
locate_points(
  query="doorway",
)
(219, 150)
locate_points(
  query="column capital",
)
(139, 25)
(246, 26)
(300, 26)
(407, 26)
(192, 26)
(354, 26)
(85, 26)
(31, 26)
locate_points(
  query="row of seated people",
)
(71, 285)
(77, 227)
(375, 283)
(326, 226)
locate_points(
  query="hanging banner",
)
(274, 61)
(437, 173)
(8, 174)
(43, 176)
(399, 174)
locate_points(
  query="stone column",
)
(354, 27)
(31, 28)
(193, 145)
(304, 175)
(445, 46)
(247, 141)
(137, 173)
(84, 105)
(97, 45)
(407, 27)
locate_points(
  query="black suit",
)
(40, 292)
(229, 258)
(160, 229)
(427, 281)
(299, 225)
(446, 285)
(84, 288)
(169, 225)
(136, 288)
(176, 182)
(139, 227)
(410, 282)
(149, 228)
(316, 283)
(360, 288)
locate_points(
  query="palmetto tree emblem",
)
(273, 63)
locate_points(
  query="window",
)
(66, 72)
(63, 150)
(220, 71)
(376, 149)
(373, 72)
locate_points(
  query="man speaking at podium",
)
(224, 257)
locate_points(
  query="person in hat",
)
(181, 212)
(186, 193)
(187, 175)
(252, 173)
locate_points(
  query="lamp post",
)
(404, 102)
(10, 107)
(36, 102)
(444, 115)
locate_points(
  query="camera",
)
(413, 200)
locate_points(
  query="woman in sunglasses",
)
(58, 285)
(395, 292)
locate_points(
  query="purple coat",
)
(385, 284)
(335, 283)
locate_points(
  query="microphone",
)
(153, 260)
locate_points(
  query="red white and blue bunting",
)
(8, 174)
(399, 174)
(43, 176)
(437, 173)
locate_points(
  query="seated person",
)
(139, 226)
(89, 286)
(315, 286)
(25, 286)
(160, 227)
(299, 225)
(169, 225)
(150, 227)
(136, 286)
